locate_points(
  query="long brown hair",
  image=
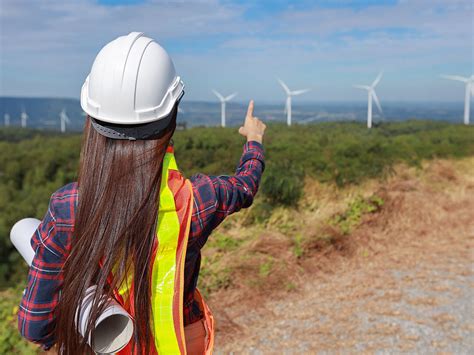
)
(115, 224)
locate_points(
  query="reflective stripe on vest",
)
(167, 279)
(168, 269)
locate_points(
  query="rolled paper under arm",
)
(113, 328)
(20, 236)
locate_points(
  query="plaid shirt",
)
(215, 197)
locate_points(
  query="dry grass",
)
(271, 255)
(425, 217)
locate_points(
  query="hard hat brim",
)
(143, 131)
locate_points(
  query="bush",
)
(33, 164)
(11, 341)
(283, 183)
(357, 208)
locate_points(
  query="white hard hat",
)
(132, 81)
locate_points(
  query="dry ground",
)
(402, 283)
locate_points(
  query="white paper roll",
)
(113, 328)
(20, 236)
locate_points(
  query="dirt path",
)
(408, 286)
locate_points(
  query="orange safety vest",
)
(174, 220)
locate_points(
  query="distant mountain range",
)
(43, 113)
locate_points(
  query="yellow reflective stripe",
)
(124, 287)
(171, 161)
(164, 267)
(181, 267)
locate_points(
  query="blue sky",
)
(47, 47)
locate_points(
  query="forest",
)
(34, 164)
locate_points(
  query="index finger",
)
(250, 109)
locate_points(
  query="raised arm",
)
(216, 197)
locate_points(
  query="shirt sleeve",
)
(36, 312)
(216, 197)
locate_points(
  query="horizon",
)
(45, 112)
(281, 101)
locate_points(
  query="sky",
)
(47, 47)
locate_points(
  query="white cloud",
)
(47, 46)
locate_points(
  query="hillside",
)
(321, 183)
(399, 281)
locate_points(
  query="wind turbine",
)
(223, 102)
(6, 119)
(64, 119)
(23, 118)
(469, 91)
(371, 95)
(289, 94)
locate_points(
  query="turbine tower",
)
(469, 81)
(223, 101)
(23, 118)
(289, 94)
(6, 119)
(371, 95)
(64, 119)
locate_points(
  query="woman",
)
(132, 225)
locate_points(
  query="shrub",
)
(357, 208)
(11, 341)
(33, 164)
(283, 183)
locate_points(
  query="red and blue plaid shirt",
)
(215, 197)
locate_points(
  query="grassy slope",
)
(248, 257)
(313, 208)
(389, 277)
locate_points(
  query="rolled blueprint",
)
(113, 328)
(20, 236)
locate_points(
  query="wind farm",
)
(43, 113)
(195, 113)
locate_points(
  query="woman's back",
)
(215, 197)
(105, 228)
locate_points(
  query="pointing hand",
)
(253, 128)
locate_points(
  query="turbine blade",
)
(299, 92)
(230, 97)
(365, 87)
(377, 80)
(283, 85)
(376, 99)
(455, 77)
(219, 96)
